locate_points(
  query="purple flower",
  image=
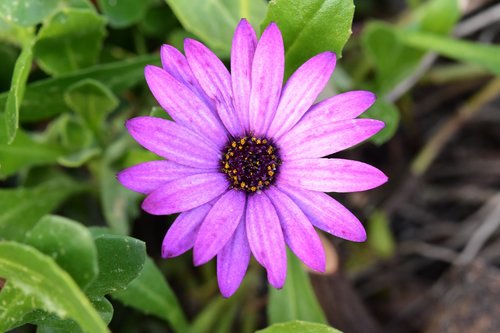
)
(244, 164)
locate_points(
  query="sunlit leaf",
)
(27, 12)
(214, 21)
(45, 285)
(311, 27)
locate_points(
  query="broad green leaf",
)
(40, 280)
(484, 55)
(122, 13)
(48, 323)
(121, 260)
(26, 12)
(21, 208)
(310, 27)
(14, 34)
(70, 40)
(8, 57)
(25, 151)
(16, 92)
(45, 98)
(14, 305)
(69, 243)
(389, 114)
(151, 294)
(296, 301)
(299, 327)
(93, 101)
(215, 21)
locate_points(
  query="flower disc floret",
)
(250, 163)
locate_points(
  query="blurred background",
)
(71, 73)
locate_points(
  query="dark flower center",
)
(250, 163)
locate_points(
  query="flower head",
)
(244, 162)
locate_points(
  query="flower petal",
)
(326, 139)
(218, 226)
(232, 261)
(330, 175)
(185, 193)
(344, 106)
(327, 214)
(215, 80)
(298, 231)
(301, 91)
(184, 106)
(267, 78)
(148, 176)
(242, 52)
(174, 142)
(182, 233)
(266, 238)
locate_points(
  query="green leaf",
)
(296, 301)
(48, 323)
(39, 279)
(26, 151)
(16, 92)
(69, 243)
(215, 21)
(310, 27)
(394, 61)
(70, 40)
(27, 12)
(121, 260)
(122, 13)
(19, 305)
(118, 76)
(21, 208)
(151, 294)
(484, 55)
(299, 327)
(389, 114)
(380, 237)
(93, 101)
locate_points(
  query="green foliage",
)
(27, 12)
(70, 244)
(123, 13)
(296, 301)
(217, 32)
(77, 33)
(311, 27)
(21, 208)
(40, 283)
(299, 327)
(117, 76)
(16, 93)
(389, 114)
(151, 294)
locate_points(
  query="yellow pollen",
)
(242, 184)
(242, 141)
(233, 144)
(264, 141)
(270, 150)
(226, 166)
(270, 173)
(259, 141)
(253, 188)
